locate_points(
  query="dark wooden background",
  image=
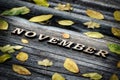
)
(41, 50)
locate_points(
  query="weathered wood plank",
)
(41, 50)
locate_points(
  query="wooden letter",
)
(18, 31)
(53, 40)
(78, 47)
(102, 53)
(30, 34)
(65, 43)
(90, 50)
(43, 37)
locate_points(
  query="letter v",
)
(43, 37)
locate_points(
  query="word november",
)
(61, 42)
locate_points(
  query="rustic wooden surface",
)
(41, 50)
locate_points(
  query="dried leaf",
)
(115, 48)
(10, 49)
(3, 25)
(42, 3)
(93, 76)
(64, 7)
(117, 15)
(25, 41)
(16, 11)
(92, 25)
(20, 70)
(94, 14)
(4, 57)
(41, 18)
(66, 36)
(70, 65)
(17, 47)
(118, 64)
(57, 76)
(22, 56)
(45, 62)
(115, 31)
(94, 34)
(114, 77)
(65, 22)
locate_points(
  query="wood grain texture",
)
(41, 50)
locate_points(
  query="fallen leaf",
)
(42, 3)
(16, 11)
(94, 34)
(17, 47)
(118, 64)
(10, 49)
(22, 56)
(57, 76)
(93, 76)
(4, 57)
(70, 65)
(117, 15)
(65, 22)
(115, 48)
(41, 18)
(25, 41)
(92, 25)
(94, 14)
(64, 7)
(3, 25)
(7, 49)
(66, 35)
(115, 31)
(114, 77)
(20, 70)
(45, 62)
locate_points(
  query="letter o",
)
(30, 34)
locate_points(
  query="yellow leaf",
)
(65, 36)
(41, 18)
(94, 14)
(118, 64)
(117, 15)
(57, 76)
(93, 76)
(70, 65)
(94, 34)
(115, 31)
(22, 56)
(3, 25)
(92, 25)
(114, 77)
(65, 22)
(20, 70)
(45, 62)
(42, 3)
(64, 7)
(25, 41)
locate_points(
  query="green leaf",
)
(114, 77)
(115, 31)
(93, 76)
(42, 3)
(117, 15)
(114, 48)
(41, 18)
(94, 34)
(4, 57)
(16, 11)
(3, 25)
